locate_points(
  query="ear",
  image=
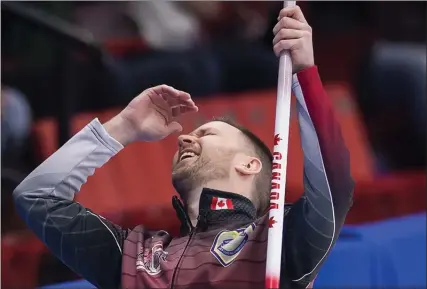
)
(249, 166)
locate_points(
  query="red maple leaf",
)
(221, 204)
(271, 222)
(277, 139)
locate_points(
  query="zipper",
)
(201, 223)
(192, 233)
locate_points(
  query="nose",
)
(186, 139)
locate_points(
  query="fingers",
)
(292, 12)
(290, 23)
(291, 30)
(170, 102)
(172, 92)
(177, 111)
(165, 89)
(174, 97)
(184, 98)
(282, 45)
(288, 34)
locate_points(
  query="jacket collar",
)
(216, 209)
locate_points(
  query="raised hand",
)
(293, 33)
(151, 116)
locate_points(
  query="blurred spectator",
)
(161, 25)
(15, 120)
(166, 25)
(183, 25)
(392, 95)
(105, 20)
(239, 21)
(200, 47)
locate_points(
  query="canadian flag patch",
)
(221, 204)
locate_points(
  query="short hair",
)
(263, 180)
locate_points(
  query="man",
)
(222, 174)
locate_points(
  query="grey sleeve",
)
(87, 243)
(314, 222)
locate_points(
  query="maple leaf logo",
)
(271, 222)
(277, 139)
(221, 204)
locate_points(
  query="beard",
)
(193, 173)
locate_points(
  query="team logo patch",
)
(228, 244)
(149, 260)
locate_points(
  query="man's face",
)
(204, 155)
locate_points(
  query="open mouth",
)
(187, 155)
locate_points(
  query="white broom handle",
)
(280, 153)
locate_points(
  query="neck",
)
(192, 202)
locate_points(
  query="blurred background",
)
(64, 63)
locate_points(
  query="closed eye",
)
(203, 133)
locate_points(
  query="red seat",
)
(389, 196)
(20, 259)
(124, 46)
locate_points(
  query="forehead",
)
(219, 127)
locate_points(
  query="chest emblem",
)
(149, 260)
(228, 244)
